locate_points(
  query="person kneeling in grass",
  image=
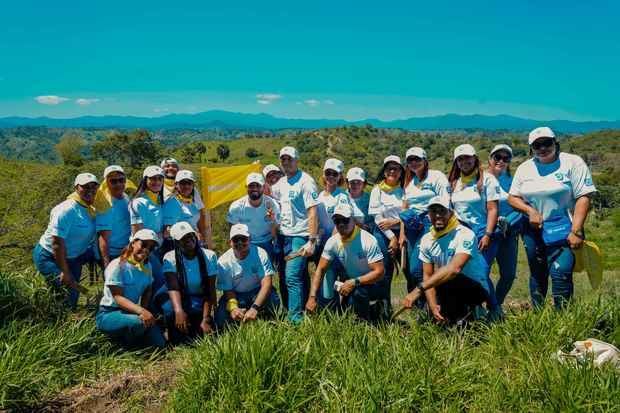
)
(127, 291)
(359, 253)
(454, 270)
(244, 277)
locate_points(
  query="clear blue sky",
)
(353, 59)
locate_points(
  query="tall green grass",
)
(342, 365)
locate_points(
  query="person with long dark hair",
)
(190, 272)
(182, 206)
(386, 202)
(553, 189)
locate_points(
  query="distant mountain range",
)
(262, 121)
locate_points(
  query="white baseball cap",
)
(152, 171)
(167, 161)
(112, 168)
(270, 168)
(290, 151)
(464, 149)
(239, 229)
(356, 173)
(501, 147)
(181, 229)
(416, 151)
(334, 164)
(344, 210)
(444, 201)
(254, 178)
(542, 132)
(145, 235)
(184, 174)
(85, 178)
(392, 158)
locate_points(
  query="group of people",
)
(444, 231)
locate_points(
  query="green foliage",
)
(134, 149)
(252, 153)
(223, 152)
(70, 149)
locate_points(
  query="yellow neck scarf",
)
(138, 265)
(387, 188)
(185, 199)
(346, 241)
(169, 184)
(103, 199)
(90, 208)
(452, 224)
(154, 197)
(466, 179)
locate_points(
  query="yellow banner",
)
(225, 184)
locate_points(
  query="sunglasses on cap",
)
(338, 220)
(414, 159)
(499, 157)
(542, 143)
(114, 181)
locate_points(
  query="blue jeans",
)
(128, 328)
(506, 258)
(296, 278)
(545, 261)
(489, 255)
(222, 316)
(45, 263)
(327, 296)
(388, 262)
(415, 266)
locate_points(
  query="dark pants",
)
(458, 298)
(246, 299)
(368, 302)
(193, 307)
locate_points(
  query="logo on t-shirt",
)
(559, 176)
(467, 244)
(291, 194)
(315, 195)
(588, 181)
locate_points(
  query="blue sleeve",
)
(224, 279)
(135, 207)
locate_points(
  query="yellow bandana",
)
(346, 241)
(185, 199)
(139, 265)
(90, 208)
(466, 179)
(152, 196)
(169, 184)
(387, 188)
(103, 199)
(452, 224)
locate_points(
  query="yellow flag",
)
(590, 259)
(225, 184)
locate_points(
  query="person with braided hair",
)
(190, 273)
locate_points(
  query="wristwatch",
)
(579, 233)
(420, 287)
(358, 282)
(488, 234)
(256, 307)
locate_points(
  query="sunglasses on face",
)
(542, 143)
(240, 240)
(412, 159)
(499, 157)
(156, 178)
(392, 169)
(90, 187)
(341, 220)
(331, 174)
(115, 181)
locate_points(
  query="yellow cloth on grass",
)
(590, 258)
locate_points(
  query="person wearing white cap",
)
(259, 212)
(272, 175)
(298, 226)
(189, 295)
(509, 222)
(245, 279)
(123, 310)
(170, 166)
(67, 243)
(359, 253)
(112, 222)
(356, 183)
(182, 206)
(455, 273)
(553, 189)
(386, 203)
(475, 195)
(146, 212)
(331, 197)
(421, 184)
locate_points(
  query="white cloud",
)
(86, 101)
(329, 102)
(50, 99)
(160, 110)
(312, 102)
(267, 98)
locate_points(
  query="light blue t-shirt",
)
(131, 279)
(71, 222)
(176, 210)
(362, 204)
(356, 254)
(553, 188)
(505, 181)
(327, 205)
(192, 269)
(470, 205)
(418, 194)
(256, 218)
(462, 240)
(116, 220)
(244, 275)
(384, 205)
(143, 211)
(296, 194)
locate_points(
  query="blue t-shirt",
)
(356, 254)
(71, 222)
(176, 210)
(131, 279)
(244, 275)
(116, 220)
(505, 181)
(143, 211)
(192, 269)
